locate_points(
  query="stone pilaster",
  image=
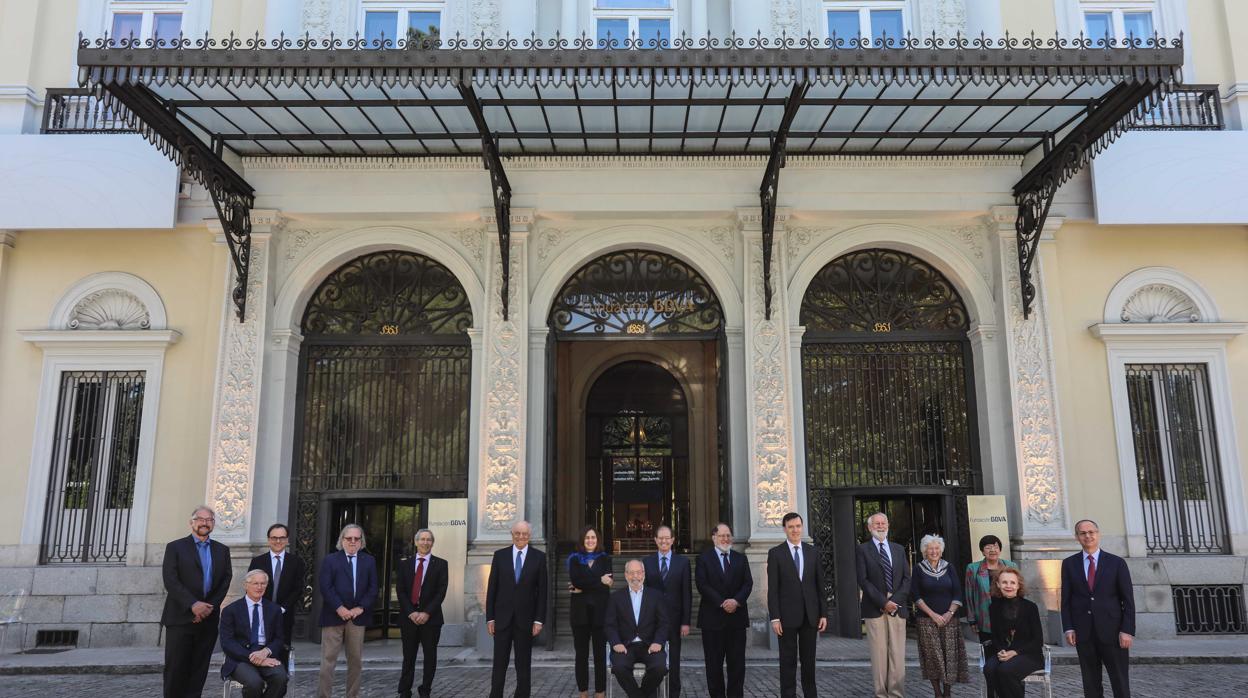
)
(8, 239)
(236, 397)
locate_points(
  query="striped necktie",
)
(888, 568)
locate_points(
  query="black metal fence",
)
(1209, 610)
(80, 110)
(1176, 458)
(1188, 108)
(95, 453)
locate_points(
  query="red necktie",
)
(420, 575)
(1091, 572)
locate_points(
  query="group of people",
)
(645, 622)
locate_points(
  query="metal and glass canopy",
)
(205, 101)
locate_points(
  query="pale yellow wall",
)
(1080, 268)
(187, 269)
(1021, 17)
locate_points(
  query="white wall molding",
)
(1117, 308)
(109, 296)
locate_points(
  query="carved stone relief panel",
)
(110, 309)
(1160, 303)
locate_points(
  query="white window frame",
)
(1117, 9)
(95, 17)
(634, 17)
(1172, 343)
(402, 8)
(148, 9)
(67, 350)
(864, 8)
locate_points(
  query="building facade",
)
(344, 317)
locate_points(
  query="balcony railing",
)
(1187, 108)
(80, 110)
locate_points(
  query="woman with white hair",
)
(938, 595)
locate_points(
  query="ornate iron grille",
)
(636, 292)
(389, 293)
(819, 504)
(386, 417)
(887, 414)
(1176, 458)
(95, 453)
(1209, 610)
(884, 292)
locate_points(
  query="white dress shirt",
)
(1095, 556)
(635, 597)
(888, 551)
(250, 605)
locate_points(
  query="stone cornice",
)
(1172, 332)
(83, 339)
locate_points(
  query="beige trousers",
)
(886, 639)
(332, 640)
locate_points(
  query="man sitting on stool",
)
(637, 624)
(251, 638)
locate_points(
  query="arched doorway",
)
(383, 405)
(888, 406)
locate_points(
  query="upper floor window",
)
(414, 20)
(1116, 20)
(875, 18)
(647, 20)
(143, 20)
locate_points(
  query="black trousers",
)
(1092, 656)
(673, 662)
(798, 644)
(188, 648)
(718, 647)
(1006, 678)
(261, 682)
(418, 638)
(519, 636)
(586, 639)
(622, 666)
(288, 634)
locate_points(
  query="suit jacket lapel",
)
(199, 565)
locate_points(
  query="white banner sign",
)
(448, 519)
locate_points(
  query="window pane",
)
(377, 24)
(650, 29)
(844, 24)
(424, 25)
(633, 4)
(126, 25)
(1099, 25)
(614, 29)
(167, 25)
(1138, 24)
(887, 22)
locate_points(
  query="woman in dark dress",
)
(589, 570)
(1017, 647)
(938, 596)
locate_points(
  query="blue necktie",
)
(519, 564)
(663, 568)
(205, 561)
(255, 626)
(888, 568)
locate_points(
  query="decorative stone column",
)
(236, 396)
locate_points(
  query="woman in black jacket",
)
(1017, 647)
(589, 570)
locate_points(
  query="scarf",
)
(586, 559)
(934, 572)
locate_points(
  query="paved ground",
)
(834, 681)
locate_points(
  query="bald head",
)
(635, 573)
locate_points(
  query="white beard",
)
(880, 537)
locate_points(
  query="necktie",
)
(797, 561)
(351, 563)
(205, 561)
(420, 576)
(277, 575)
(663, 568)
(255, 625)
(725, 558)
(519, 564)
(1091, 572)
(888, 568)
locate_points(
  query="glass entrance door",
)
(910, 517)
(389, 527)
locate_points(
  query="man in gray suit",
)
(884, 578)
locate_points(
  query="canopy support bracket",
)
(500, 189)
(770, 187)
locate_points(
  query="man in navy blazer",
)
(1098, 612)
(515, 607)
(197, 574)
(636, 626)
(796, 605)
(421, 589)
(725, 582)
(348, 584)
(884, 579)
(252, 640)
(669, 573)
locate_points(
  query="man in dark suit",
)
(670, 574)
(197, 576)
(515, 607)
(421, 588)
(884, 579)
(285, 588)
(1098, 612)
(796, 606)
(636, 626)
(348, 584)
(252, 640)
(724, 581)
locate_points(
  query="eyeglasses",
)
(351, 538)
(201, 519)
(278, 538)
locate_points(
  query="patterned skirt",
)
(942, 652)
